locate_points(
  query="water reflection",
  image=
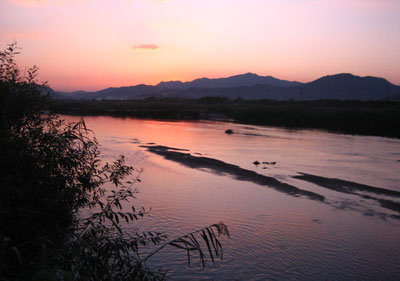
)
(274, 236)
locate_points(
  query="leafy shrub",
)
(49, 171)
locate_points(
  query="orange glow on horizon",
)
(91, 45)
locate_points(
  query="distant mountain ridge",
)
(247, 79)
(342, 86)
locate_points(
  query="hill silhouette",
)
(250, 86)
(248, 79)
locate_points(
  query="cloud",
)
(150, 47)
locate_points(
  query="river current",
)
(299, 204)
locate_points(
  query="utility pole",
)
(301, 92)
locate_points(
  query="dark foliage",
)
(376, 118)
(50, 170)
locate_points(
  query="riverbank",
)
(349, 117)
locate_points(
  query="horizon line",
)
(204, 77)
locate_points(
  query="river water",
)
(280, 227)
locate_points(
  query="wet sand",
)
(355, 189)
(220, 167)
(183, 157)
(345, 186)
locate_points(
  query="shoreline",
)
(344, 117)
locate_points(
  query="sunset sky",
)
(95, 44)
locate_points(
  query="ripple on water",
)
(274, 236)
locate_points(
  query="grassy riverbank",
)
(351, 117)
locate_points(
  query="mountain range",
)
(252, 86)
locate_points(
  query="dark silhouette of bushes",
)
(49, 171)
(377, 118)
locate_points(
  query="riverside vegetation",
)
(375, 118)
(51, 170)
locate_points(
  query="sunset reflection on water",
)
(274, 235)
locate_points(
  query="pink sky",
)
(94, 44)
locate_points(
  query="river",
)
(315, 205)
